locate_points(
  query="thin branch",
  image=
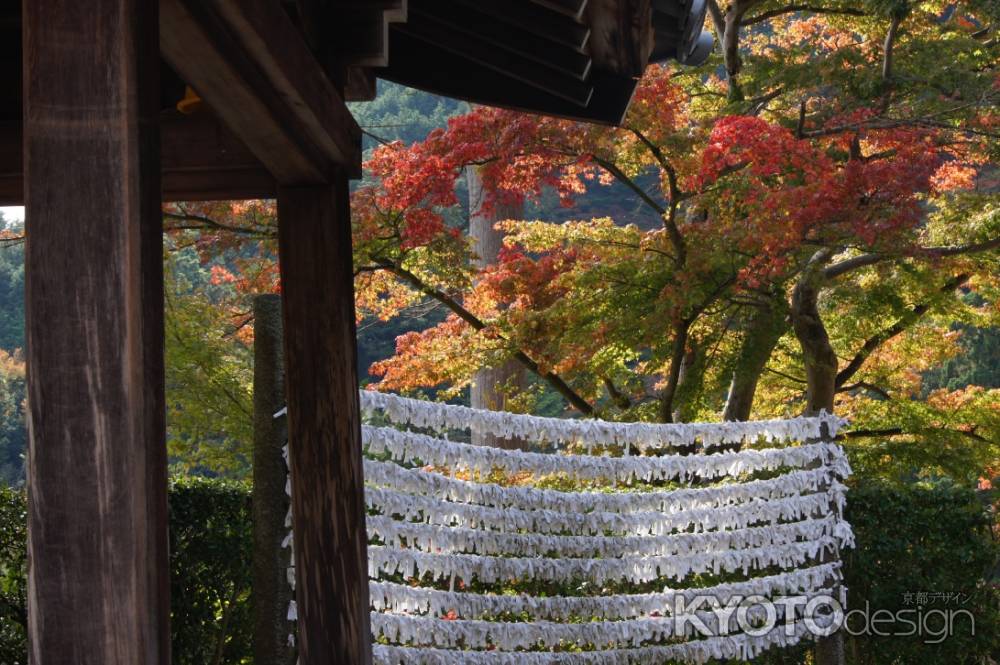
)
(758, 104)
(864, 385)
(613, 169)
(862, 433)
(554, 380)
(789, 9)
(208, 222)
(676, 195)
(883, 336)
(893, 123)
(785, 376)
(376, 137)
(899, 431)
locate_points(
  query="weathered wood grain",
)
(98, 580)
(324, 424)
(201, 160)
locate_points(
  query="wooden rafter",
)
(468, 20)
(426, 27)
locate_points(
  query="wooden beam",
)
(622, 39)
(201, 161)
(97, 477)
(247, 60)
(328, 505)
(359, 84)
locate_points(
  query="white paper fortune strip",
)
(642, 436)
(411, 448)
(697, 652)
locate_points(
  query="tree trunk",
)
(490, 385)
(98, 580)
(766, 326)
(817, 352)
(690, 382)
(821, 377)
(271, 591)
(677, 355)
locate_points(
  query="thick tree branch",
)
(789, 9)
(765, 326)
(880, 338)
(888, 47)
(620, 399)
(817, 352)
(554, 380)
(718, 20)
(860, 261)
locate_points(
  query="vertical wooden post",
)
(98, 582)
(271, 592)
(317, 283)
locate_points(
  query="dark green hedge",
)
(210, 540)
(917, 540)
(13, 576)
(210, 547)
(910, 541)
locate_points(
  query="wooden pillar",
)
(271, 592)
(98, 581)
(324, 424)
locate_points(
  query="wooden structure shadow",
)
(91, 143)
